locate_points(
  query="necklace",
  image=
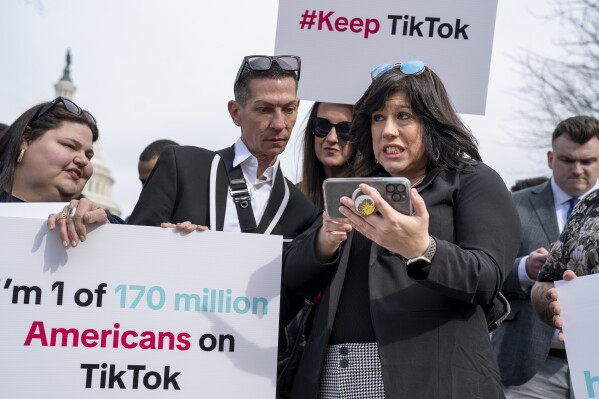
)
(419, 181)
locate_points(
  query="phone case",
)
(395, 190)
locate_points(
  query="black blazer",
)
(430, 328)
(178, 190)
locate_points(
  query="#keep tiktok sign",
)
(341, 41)
(137, 312)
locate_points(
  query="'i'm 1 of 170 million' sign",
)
(138, 310)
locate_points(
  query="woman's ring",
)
(62, 215)
(72, 212)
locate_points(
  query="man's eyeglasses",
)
(264, 63)
(68, 105)
(412, 67)
(321, 127)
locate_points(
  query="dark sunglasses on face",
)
(264, 63)
(321, 127)
(68, 105)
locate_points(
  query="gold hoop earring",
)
(21, 155)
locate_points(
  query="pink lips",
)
(74, 173)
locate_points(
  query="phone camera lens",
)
(390, 188)
(396, 197)
(401, 188)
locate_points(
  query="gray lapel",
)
(542, 203)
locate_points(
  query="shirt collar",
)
(249, 163)
(560, 197)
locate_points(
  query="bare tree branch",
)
(560, 86)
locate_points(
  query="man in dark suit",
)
(265, 108)
(189, 186)
(531, 360)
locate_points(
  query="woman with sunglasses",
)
(45, 155)
(400, 314)
(327, 147)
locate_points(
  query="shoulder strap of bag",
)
(239, 191)
(213, 172)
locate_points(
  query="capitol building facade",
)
(99, 187)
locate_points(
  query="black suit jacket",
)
(178, 190)
(522, 341)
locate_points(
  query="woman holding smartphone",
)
(400, 313)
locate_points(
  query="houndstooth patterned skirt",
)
(352, 371)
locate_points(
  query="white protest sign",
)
(341, 41)
(138, 312)
(579, 302)
(34, 210)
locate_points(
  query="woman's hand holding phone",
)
(406, 235)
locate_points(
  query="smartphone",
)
(394, 190)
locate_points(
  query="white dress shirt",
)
(259, 189)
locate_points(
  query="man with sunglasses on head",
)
(242, 188)
(265, 109)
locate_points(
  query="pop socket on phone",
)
(364, 204)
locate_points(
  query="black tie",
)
(572, 201)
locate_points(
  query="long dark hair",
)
(24, 130)
(312, 169)
(448, 142)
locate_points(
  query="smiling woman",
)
(45, 155)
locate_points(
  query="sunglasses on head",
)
(411, 67)
(68, 105)
(321, 127)
(264, 63)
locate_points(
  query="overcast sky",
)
(164, 69)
